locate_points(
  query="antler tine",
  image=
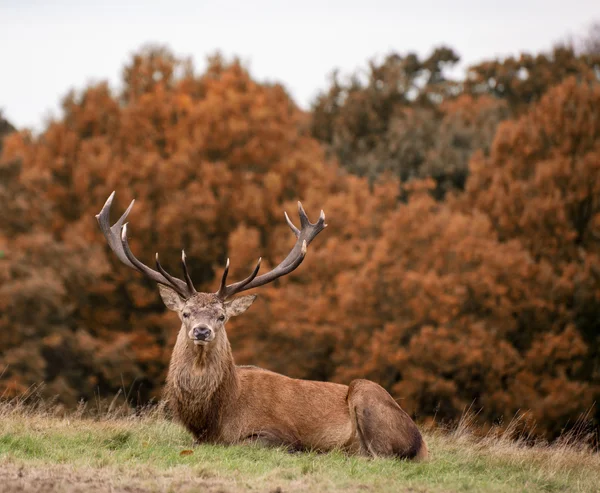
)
(112, 234)
(186, 274)
(173, 281)
(223, 288)
(228, 291)
(304, 236)
(116, 237)
(291, 224)
(144, 269)
(168, 280)
(304, 222)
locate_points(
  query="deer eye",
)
(186, 315)
(221, 318)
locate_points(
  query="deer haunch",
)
(383, 428)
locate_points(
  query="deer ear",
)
(237, 306)
(171, 299)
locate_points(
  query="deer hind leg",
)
(382, 427)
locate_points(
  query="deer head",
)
(203, 315)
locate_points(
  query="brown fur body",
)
(220, 402)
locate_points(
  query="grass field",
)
(45, 452)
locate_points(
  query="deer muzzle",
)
(201, 334)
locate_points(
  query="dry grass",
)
(109, 448)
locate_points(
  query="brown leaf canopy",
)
(487, 296)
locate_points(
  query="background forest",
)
(460, 268)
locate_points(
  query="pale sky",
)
(49, 47)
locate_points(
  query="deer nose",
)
(201, 332)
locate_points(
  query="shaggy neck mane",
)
(201, 384)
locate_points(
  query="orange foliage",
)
(489, 296)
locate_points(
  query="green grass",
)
(41, 451)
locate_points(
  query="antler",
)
(116, 236)
(304, 236)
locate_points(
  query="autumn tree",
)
(213, 161)
(489, 300)
(541, 186)
(590, 42)
(437, 315)
(407, 118)
(486, 297)
(5, 127)
(523, 80)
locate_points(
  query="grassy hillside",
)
(42, 451)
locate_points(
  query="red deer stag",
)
(220, 402)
